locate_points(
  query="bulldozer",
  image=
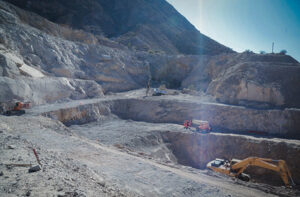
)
(235, 168)
(18, 109)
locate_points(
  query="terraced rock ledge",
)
(228, 139)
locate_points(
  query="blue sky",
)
(247, 24)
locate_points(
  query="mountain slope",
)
(28, 40)
(68, 66)
(129, 22)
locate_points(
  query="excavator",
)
(235, 168)
(18, 109)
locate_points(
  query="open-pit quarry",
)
(77, 73)
(125, 144)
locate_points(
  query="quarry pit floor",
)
(117, 156)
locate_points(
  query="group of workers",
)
(187, 124)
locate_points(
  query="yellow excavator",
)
(235, 168)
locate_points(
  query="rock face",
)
(260, 81)
(12, 66)
(170, 70)
(20, 82)
(248, 79)
(140, 24)
(50, 52)
(47, 90)
(222, 118)
(80, 114)
(258, 84)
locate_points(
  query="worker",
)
(185, 124)
(189, 124)
(18, 106)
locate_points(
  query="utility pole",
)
(149, 78)
(272, 47)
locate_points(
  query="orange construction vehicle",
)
(236, 168)
(18, 109)
(201, 126)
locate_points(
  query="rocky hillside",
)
(27, 39)
(248, 79)
(37, 55)
(148, 25)
(260, 81)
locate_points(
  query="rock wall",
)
(12, 66)
(222, 117)
(45, 47)
(81, 114)
(246, 79)
(258, 85)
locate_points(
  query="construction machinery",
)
(201, 126)
(159, 92)
(235, 168)
(18, 109)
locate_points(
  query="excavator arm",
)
(285, 173)
(281, 167)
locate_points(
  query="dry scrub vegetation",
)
(62, 30)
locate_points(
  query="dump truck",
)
(235, 168)
(200, 126)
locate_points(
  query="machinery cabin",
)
(159, 92)
(201, 126)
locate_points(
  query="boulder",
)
(8, 67)
(12, 66)
(47, 89)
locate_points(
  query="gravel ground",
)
(59, 174)
(112, 157)
(141, 137)
(74, 165)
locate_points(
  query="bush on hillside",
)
(248, 51)
(283, 52)
(58, 30)
(262, 52)
(77, 35)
